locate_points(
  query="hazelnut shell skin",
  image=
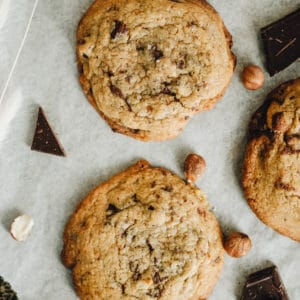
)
(194, 167)
(253, 77)
(237, 244)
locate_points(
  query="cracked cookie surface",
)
(271, 174)
(148, 66)
(144, 234)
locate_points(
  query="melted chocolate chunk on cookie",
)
(123, 288)
(6, 292)
(167, 91)
(154, 293)
(128, 104)
(156, 278)
(44, 139)
(279, 184)
(112, 209)
(168, 188)
(110, 73)
(134, 268)
(116, 91)
(134, 130)
(264, 285)
(258, 124)
(156, 53)
(181, 64)
(120, 28)
(136, 275)
(140, 47)
(149, 246)
(282, 42)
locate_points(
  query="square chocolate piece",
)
(282, 42)
(265, 285)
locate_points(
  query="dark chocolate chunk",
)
(264, 285)
(140, 47)
(112, 209)
(135, 198)
(149, 246)
(44, 139)
(128, 104)
(119, 28)
(123, 288)
(115, 90)
(282, 42)
(136, 276)
(168, 188)
(181, 64)
(110, 73)
(167, 91)
(157, 54)
(156, 278)
(134, 130)
(6, 292)
(279, 184)
(154, 293)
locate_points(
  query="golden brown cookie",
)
(271, 174)
(144, 234)
(149, 66)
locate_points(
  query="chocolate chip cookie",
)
(271, 175)
(144, 234)
(149, 66)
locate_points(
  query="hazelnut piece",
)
(21, 228)
(253, 77)
(194, 167)
(237, 244)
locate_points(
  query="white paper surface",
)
(49, 187)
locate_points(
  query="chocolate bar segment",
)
(44, 139)
(265, 285)
(282, 42)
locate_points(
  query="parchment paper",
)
(49, 187)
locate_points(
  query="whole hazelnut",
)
(237, 244)
(253, 77)
(194, 167)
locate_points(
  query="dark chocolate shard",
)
(265, 284)
(120, 28)
(44, 139)
(112, 209)
(6, 292)
(282, 42)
